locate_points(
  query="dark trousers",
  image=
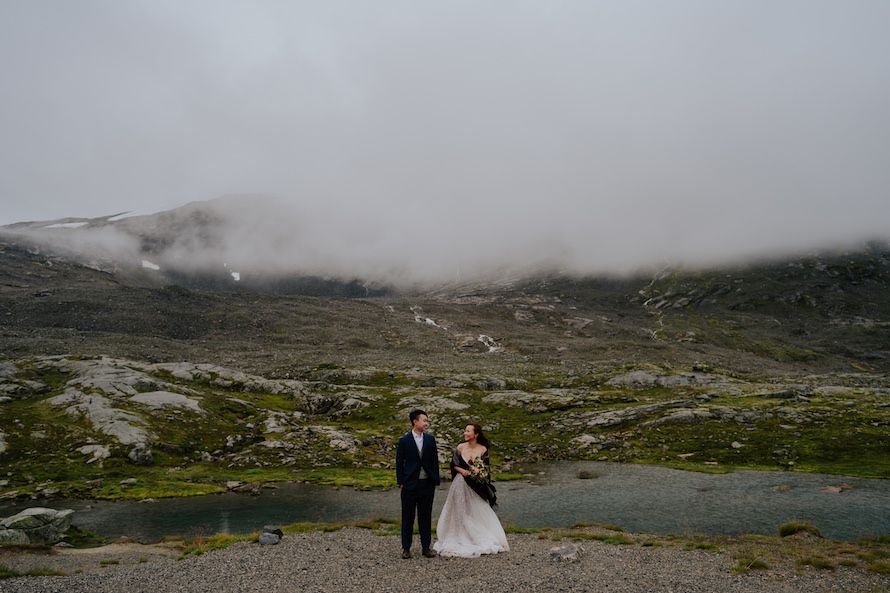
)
(418, 501)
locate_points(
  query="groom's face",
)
(421, 423)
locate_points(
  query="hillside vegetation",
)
(776, 365)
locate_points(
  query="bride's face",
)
(469, 433)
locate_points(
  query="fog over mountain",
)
(433, 141)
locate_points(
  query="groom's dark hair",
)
(414, 415)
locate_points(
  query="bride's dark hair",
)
(480, 437)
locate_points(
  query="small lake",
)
(638, 498)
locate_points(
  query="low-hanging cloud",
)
(439, 139)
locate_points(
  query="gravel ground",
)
(357, 560)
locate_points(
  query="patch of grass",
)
(506, 476)
(691, 466)
(615, 540)
(610, 527)
(157, 488)
(799, 527)
(81, 538)
(709, 546)
(375, 523)
(873, 555)
(881, 567)
(513, 529)
(198, 545)
(748, 562)
(380, 525)
(109, 562)
(347, 476)
(8, 573)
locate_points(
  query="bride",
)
(468, 525)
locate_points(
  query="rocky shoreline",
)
(360, 560)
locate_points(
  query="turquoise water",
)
(637, 498)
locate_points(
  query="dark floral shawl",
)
(485, 488)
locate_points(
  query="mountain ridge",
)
(795, 312)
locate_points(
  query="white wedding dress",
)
(468, 526)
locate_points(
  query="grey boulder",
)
(39, 525)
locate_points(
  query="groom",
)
(417, 472)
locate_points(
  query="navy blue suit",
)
(417, 494)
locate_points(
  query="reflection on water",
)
(637, 498)
(661, 500)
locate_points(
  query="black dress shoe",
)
(427, 553)
(406, 554)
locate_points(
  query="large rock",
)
(567, 553)
(632, 414)
(141, 455)
(13, 537)
(39, 525)
(271, 535)
(166, 399)
(644, 380)
(105, 417)
(97, 453)
(269, 539)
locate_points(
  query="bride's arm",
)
(456, 465)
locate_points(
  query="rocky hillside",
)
(116, 362)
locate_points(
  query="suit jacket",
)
(409, 461)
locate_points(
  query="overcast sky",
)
(611, 133)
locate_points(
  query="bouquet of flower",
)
(478, 470)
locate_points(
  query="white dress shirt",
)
(418, 440)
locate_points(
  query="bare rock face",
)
(40, 526)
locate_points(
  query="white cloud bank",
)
(607, 135)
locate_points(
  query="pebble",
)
(357, 560)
